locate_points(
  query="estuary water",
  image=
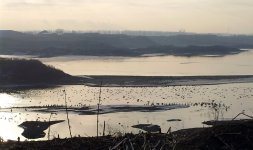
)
(239, 64)
(231, 98)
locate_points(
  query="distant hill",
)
(236, 41)
(192, 50)
(21, 71)
(46, 44)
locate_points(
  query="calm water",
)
(158, 66)
(237, 96)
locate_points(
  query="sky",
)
(202, 16)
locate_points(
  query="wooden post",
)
(48, 134)
(66, 108)
(104, 129)
(99, 99)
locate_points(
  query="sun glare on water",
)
(8, 130)
(7, 100)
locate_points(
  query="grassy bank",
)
(227, 136)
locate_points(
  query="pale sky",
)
(212, 16)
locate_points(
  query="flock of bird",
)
(79, 96)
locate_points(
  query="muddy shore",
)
(132, 81)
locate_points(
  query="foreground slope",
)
(226, 137)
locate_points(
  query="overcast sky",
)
(223, 16)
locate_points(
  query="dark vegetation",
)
(22, 71)
(46, 44)
(225, 137)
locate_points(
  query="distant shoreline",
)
(46, 44)
(163, 81)
(134, 81)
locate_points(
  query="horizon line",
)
(106, 31)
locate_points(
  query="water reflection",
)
(237, 97)
(9, 128)
(7, 100)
